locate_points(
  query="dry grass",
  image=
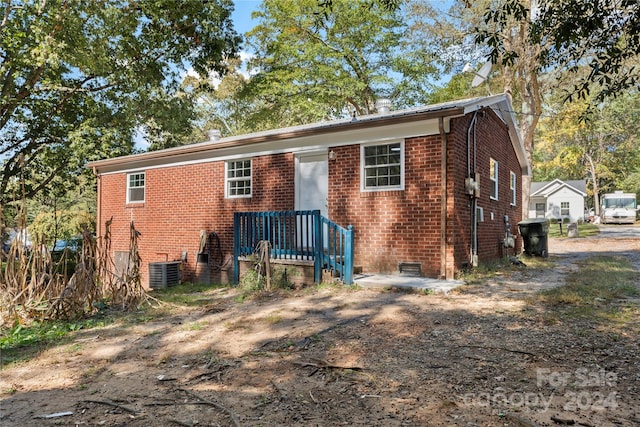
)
(596, 291)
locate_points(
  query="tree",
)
(78, 77)
(313, 66)
(220, 104)
(567, 37)
(604, 148)
(601, 35)
(522, 78)
(458, 33)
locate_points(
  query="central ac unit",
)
(164, 274)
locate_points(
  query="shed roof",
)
(401, 123)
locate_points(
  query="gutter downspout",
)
(443, 203)
(474, 201)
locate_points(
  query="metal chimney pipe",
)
(214, 135)
(383, 105)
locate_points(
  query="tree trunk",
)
(524, 72)
(594, 181)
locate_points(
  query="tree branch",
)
(7, 9)
(7, 109)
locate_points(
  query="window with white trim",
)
(513, 185)
(238, 178)
(564, 209)
(493, 174)
(382, 166)
(135, 187)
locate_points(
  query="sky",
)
(242, 15)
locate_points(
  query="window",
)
(564, 209)
(513, 184)
(135, 187)
(238, 178)
(493, 174)
(540, 210)
(383, 166)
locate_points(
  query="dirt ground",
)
(481, 356)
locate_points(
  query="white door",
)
(312, 182)
(311, 192)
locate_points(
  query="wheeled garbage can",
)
(535, 233)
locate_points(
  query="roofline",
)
(276, 135)
(445, 110)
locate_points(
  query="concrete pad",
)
(410, 283)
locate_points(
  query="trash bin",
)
(535, 234)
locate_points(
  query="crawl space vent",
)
(413, 269)
(164, 274)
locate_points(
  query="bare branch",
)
(7, 9)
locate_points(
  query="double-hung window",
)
(493, 174)
(564, 209)
(382, 166)
(513, 185)
(238, 178)
(135, 187)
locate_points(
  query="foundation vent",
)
(413, 269)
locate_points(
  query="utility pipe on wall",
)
(473, 252)
(443, 203)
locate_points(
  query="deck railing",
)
(337, 249)
(296, 235)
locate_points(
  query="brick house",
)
(436, 187)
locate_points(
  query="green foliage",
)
(79, 78)
(14, 340)
(280, 278)
(604, 149)
(223, 107)
(602, 36)
(459, 87)
(37, 333)
(61, 225)
(252, 282)
(312, 66)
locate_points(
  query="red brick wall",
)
(182, 200)
(492, 141)
(404, 226)
(390, 226)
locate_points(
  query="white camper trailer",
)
(618, 208)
